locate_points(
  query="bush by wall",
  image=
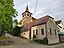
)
(42, 41)
(16, 31)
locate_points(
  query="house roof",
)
(61, 33)
(39, 21)
(33, 18)
(59, 26)
(58, 22)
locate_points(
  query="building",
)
(27, 17)
(61, 36)
(60, 30)
(60, 26)
(41, 28)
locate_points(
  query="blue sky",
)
(55, 8)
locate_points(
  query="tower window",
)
(24, 33)
(23, 15)
(27, 14)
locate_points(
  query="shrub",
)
(42, 41)
(34, 36)
(16, 31)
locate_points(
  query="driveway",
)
(23, 43)
(17, 40)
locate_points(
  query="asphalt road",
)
(23, 43)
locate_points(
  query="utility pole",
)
(57, 18)
(35, 7)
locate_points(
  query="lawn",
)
(4, 38)
(5, 41)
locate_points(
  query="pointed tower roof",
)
(27, 8)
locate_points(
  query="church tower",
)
(26, 16)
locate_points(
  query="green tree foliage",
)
(6, 13)
(16, 31)
(15, 23)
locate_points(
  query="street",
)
(23, 43)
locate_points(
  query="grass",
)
(4, 38)
(5, 41)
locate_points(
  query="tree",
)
(16, 31)
(6, 13)
(15, 23)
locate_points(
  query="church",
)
(44, 27)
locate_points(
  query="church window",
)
(27, 14)
(36, 32)
(33, 32)
(30, 15)
(50, 31)
(55, 32)
(24, 33)
(42, 31)
(23, 15)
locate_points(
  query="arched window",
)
(27, 14)
(50, 31)
(42, 31)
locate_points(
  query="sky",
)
(54, 8)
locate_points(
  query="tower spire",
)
(27, 8)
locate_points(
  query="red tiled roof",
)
(42, 20)
(58, 22)
(34, 19)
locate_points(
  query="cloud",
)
(54, 8)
